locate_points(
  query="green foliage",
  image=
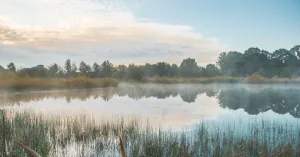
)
(189, 68)
(11, 67)
(53, 70)
(68, 66)
(107, 69)
(135, 73)
(280, 63)
(84, 68)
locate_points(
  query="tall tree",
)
(106, 68)
(84, 68)
(11, 67)
(211, 70)
(189, 68)
(135, 72)
(162, 69)
(68, 67)
(53, 70)
(254, 60)
(230, 63)
(1, 68)
(296, 51)
(121, 71)
(97, 70)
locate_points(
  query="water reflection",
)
(252, 99)
(279, 101)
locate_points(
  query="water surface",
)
(166, 106)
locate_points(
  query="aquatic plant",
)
(90, 138)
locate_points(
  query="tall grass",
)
(218, 79)
(87, 138)
(260, 79)
(13, 82)
(223, 79)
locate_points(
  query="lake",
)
(173, 108)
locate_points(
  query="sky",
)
(137, 31)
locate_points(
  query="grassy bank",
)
(253, 79)
(14, 82)
(60, 134)
(256, 79)
(219, 79)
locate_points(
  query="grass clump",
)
(255, 79)
(88, 138)
(217, 79)
(21, 83)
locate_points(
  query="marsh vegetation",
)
(62, 136)
(201, 120)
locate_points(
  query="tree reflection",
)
(280, 101)
(136, 92)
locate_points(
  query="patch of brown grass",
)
(217, 79)
(13, 82)
(260, 79)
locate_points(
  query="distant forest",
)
(280, 63)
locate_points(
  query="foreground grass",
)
(14, 82)
(261, 138)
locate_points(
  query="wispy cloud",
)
(98, 30)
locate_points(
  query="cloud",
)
(98, 30)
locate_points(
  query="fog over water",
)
(166, 106)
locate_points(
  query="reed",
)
(253, 79)
(256, 79)
(218, 79)
(259, 138)
(21, 83)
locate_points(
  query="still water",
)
(69, 116)
(166, 106)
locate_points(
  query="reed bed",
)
(256, 79)
(22, 83)
(253, 79)
(218, 79)
(81, 136)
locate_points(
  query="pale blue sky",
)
(138, 31)
(269, 24)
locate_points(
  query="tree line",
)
(280, 63)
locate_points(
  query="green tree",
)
(211, 70)
(230, 63)
(174, 70)
(36, 71)
(135, 72)
(120, 72)
(107, 68)
(149, 70)
(97, 70)
(84, 68)
(189, 68)
(162, 69)
(68, 67)
(285, 62)
(11, 67)
(74, 69)
(296, 51)
(255, 60)
(1, 68)
(53, 70)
